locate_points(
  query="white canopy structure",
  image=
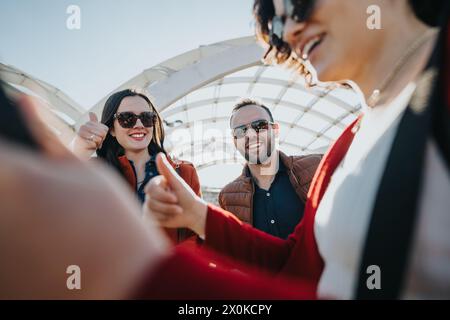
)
(60, 112)
(196, 91)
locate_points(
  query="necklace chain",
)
(376, 94)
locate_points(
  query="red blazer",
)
(296, 258)
(187, 171)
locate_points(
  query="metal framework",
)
(200, 87)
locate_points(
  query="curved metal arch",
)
(187, 125)
(47, 92)
(338, 119)
(182, 148)
(282, 83)
(297, 107)
(54, 121)
(174, 78)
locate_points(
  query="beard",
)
(262, 154)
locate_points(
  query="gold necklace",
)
(376, 94)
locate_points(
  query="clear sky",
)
(117, 39)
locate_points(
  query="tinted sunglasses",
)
(257, 125)
(299, 13)
(128, 120)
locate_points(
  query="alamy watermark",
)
(74, 280)
(373, 22)
(373, 282)
(73, 21)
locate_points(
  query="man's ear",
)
(276, 129)
(234, 142)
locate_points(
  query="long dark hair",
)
(111, 150)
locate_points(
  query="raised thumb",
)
(93, 117)
(175, 182)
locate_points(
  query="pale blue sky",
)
(117, 40)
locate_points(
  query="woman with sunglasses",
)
(128, 138)
(376, 221)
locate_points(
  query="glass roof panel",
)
(299, 137)
(298, 97)
(328, 108)
(207, 142)
(318, 144)
(233, 89)
(285, 114)
(265, 90)
(278, 73)
(249, 72)
(201, 94)
(313, 122)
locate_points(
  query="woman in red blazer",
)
(128, 137)
(317, 33)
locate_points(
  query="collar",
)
(148, 165)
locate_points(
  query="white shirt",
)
(343, 216)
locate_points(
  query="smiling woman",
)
(128, 137)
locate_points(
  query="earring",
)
(374, 98)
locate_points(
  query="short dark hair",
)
(250, 102)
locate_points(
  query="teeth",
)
(137, 135)
(309, 45)
(252, 146)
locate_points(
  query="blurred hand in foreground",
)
(172, 202)
(57, 211)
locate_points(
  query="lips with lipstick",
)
(138, 135)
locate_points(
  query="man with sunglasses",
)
(271, 191)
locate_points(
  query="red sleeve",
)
(187, 276)
(228, 235)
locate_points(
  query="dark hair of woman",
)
(111, 149)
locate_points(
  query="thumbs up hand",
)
(90, 137)
(172, 202)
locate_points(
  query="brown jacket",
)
(237, 196)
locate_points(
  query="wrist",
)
(200, 211)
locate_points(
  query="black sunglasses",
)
(128, 120)
(257, 125)
(299, 13)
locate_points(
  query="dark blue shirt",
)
(278, 210)
(150, 172)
